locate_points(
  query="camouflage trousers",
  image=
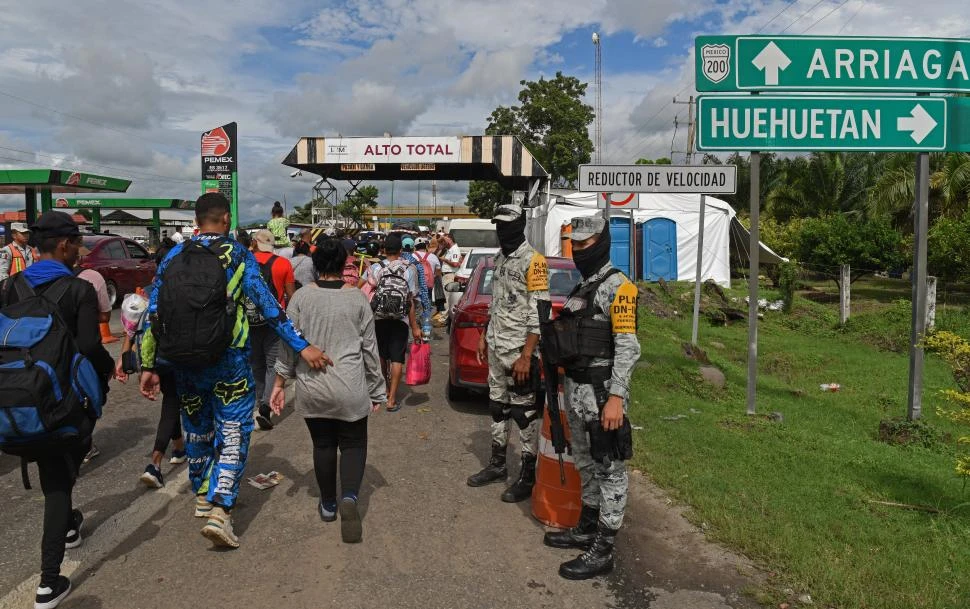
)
(604, 486)
(499, 390)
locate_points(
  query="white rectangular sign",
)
(392, 150)
(702, 179)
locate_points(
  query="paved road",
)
(429, 540)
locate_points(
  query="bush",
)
(835, 240)
(948, 248)
(787, 280)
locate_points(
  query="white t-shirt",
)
(178, 237)
(452, 259)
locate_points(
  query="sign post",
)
(220, 165)
(754, 255)
(921, 124)
(695, 321)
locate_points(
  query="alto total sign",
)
(831, 63)
(412, 150)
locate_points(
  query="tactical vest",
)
(575, 339)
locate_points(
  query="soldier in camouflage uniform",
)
(597, 390)
(520, 280)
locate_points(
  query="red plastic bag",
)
(419, 364)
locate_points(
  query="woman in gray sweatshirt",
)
(336, 401)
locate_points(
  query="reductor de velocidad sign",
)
(703, 179)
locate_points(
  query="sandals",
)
(395, 408)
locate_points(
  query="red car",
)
(470, 315)
(124, 264)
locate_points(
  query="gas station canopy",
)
(500, 158)
(16, 181)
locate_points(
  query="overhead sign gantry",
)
(500, 158)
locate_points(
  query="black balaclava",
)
(593, 258)
(511, 234)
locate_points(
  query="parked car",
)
(124, 264)
(468, 264)
(470, 316)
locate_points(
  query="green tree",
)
(660, 161)
(948, 248)
(553, 122)
(823, 183)
(831, 241)
(357, 204)
(302, 214)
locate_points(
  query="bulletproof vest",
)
(575, 339)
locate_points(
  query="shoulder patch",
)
(537, 276)
(623, 311)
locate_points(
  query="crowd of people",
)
(232, 320)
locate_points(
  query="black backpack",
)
(253, 314)
(47, 387)
(195, 316)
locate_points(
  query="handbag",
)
(419, 364)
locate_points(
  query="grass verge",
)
(807, 496)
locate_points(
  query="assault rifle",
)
(551, 372)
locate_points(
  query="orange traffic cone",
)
(106, 336)
(555, 503)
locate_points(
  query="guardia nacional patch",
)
(623, 311)
(537, 277)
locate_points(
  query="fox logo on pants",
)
(228, 392)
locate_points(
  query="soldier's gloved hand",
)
(521, 369)
(612, 417)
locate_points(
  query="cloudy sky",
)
(125, 88)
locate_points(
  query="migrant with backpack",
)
(198, 323)
(53, 381)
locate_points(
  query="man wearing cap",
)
(59, 243)
(596, 340)
(520, 280)
(16, 255)
(407, 253)
(278, 274)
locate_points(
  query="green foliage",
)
(302, 213)
(780, 236)
(358, 203)
(834, 240)
(787, 281)
(553, 122)
(948, 248)
(660, 161)
(955, 350)
(484, 197)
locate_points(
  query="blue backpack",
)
(47, 387)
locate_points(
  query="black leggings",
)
(58, 473)
(169, 425)
(351, 438)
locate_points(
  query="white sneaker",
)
(219, 529)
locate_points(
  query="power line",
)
(849, 20)
(801, 16)
(826, 15)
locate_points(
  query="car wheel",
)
(112, 293)
(455, 393)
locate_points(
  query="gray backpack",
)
(392, 296)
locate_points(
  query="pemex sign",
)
(726, 64)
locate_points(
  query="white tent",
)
(546, 222)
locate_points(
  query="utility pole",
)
(598, 121)
(691, 130)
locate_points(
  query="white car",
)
(468, 264)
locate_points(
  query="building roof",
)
(21, 216)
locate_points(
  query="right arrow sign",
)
(813, 122)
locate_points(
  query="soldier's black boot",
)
(597, 560)
(494, 471)
(522, 489)
(580, 536)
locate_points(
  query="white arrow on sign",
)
(771, 60)
(919, 123)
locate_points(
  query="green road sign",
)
(802, 122)
(831, 63)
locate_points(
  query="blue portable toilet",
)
(659, 250)
(620, 244)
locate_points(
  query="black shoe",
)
(494, 471)
(522, 489)
(597, 560)
(73, 537)
(328, 513)
(263, 414)
(580, 536)
(48, 597)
